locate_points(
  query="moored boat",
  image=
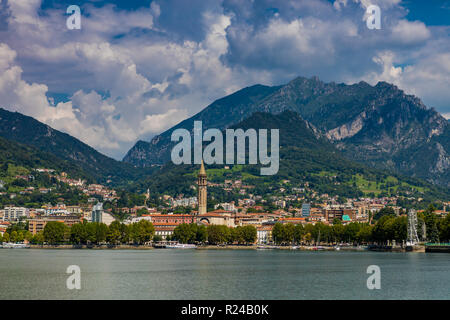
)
(181, 246)
(10, 245)
(266, 247)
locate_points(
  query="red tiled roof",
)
(211, 214)
(171, 215)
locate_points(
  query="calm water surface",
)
(221, 274)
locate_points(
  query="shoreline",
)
(92, 247)
(223, 247)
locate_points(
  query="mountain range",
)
(379, 125)
(352, 132)
(45, 145)
(19, 154)
(306, 157)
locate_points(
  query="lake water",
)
(221, 274)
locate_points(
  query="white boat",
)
(181, 246)
(10, 245)
(266, 247)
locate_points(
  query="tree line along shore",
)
(387, 228)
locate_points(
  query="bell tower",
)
(202, 182)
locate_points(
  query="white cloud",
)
(410, 32)
(129, 78)
(112, 123)
(428, 79)
(389, 72)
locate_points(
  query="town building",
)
(164, 229)
(175, 219)
(99, 215)
(299, 220)
(212, 218)
(331, 214)
(74, 210)
(14, 213)
(184, 202)
(264, 234)
(59, 209)
(226, 206)
(97, 211)
(3, 227)
(38, 225)
(306, 209)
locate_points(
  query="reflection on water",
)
(221, 274)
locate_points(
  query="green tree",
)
(278, 233)
(20, 236)
(364, 234)
(124, 233)
(299, 233)
(54, 232)
(289, 232)
(237, 235)
(338, 232)
(445, 229)
(38, 238)
(308, 236)
(185, 233)
(90, 232)
(141, 211)
(78, 233)
(202, 234)
(101, 231)
(6, 237)
(386, 211)
(321, 232)
(13, 236)
(114, 233)
(432, 225)
(380, 232)
(399, 227)
(218, 234)
(141, 232)
(249, 234)
(351, 230)
(28, 236)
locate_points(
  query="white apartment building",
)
(226, 206)
(14, 213)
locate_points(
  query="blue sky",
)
(138, 67)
